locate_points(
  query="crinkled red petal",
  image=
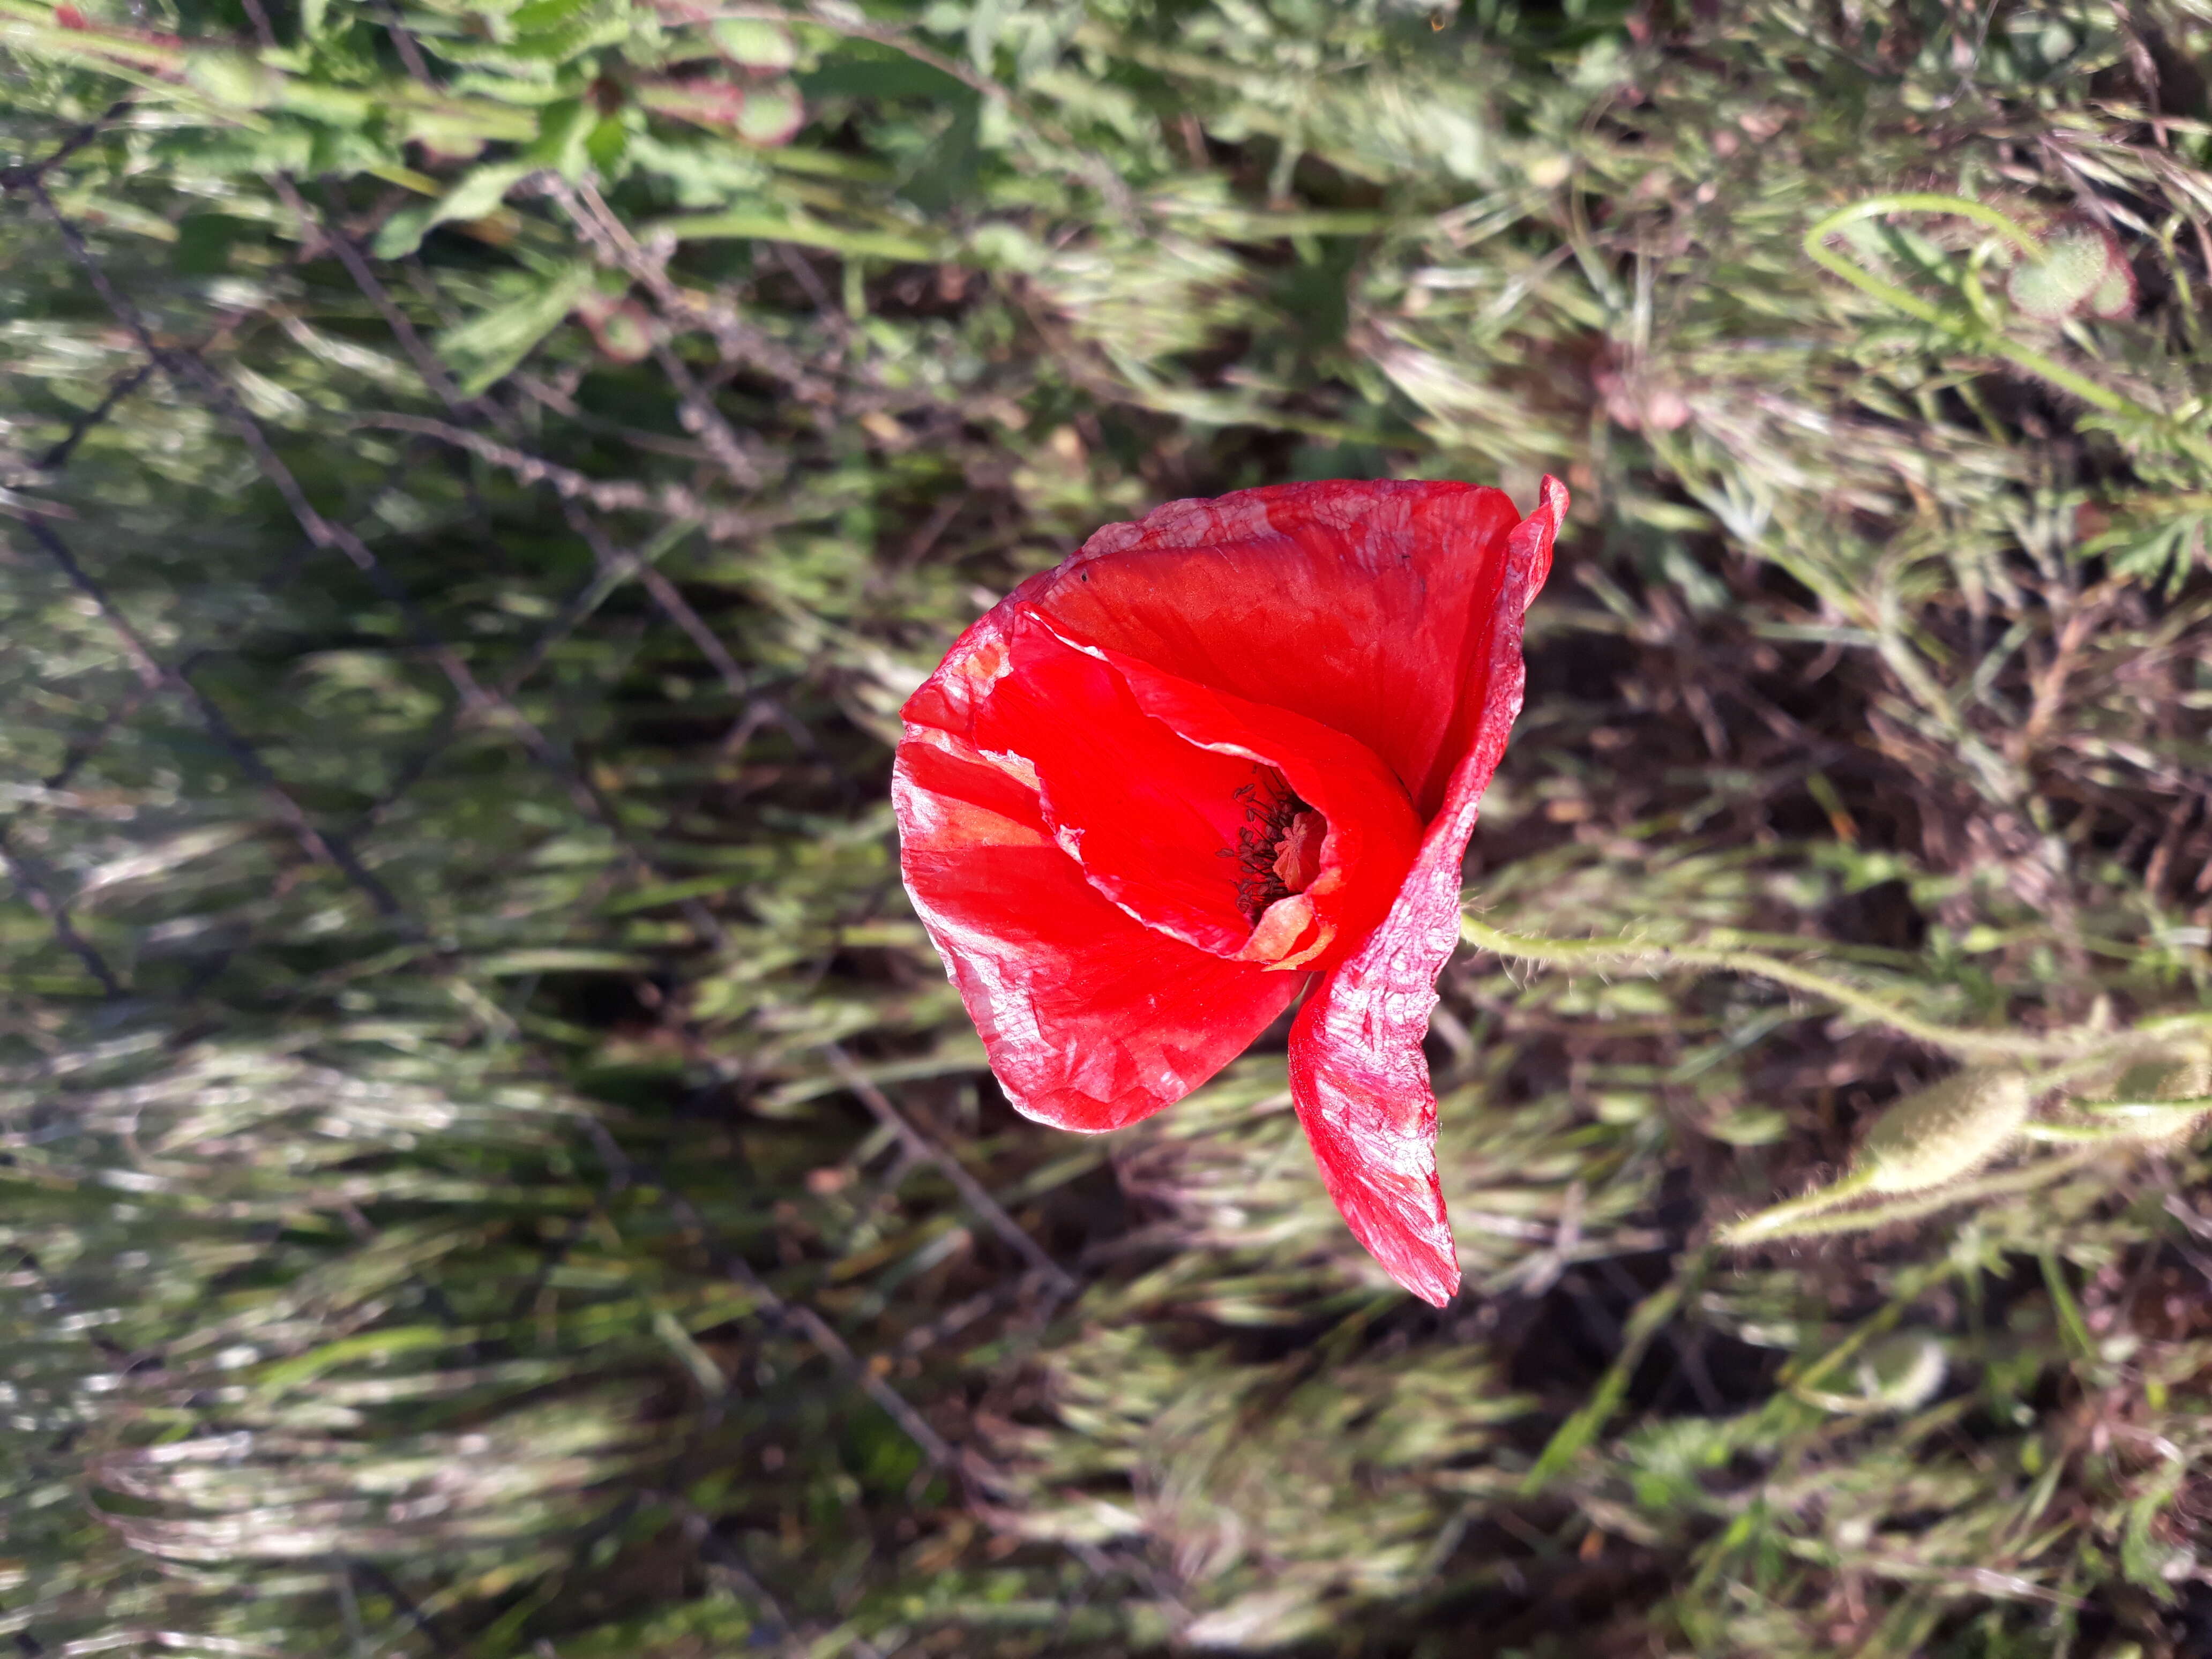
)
(1358, 1078)
(1090, 1020)
(1151, 817)
(1140, 773)
(1356, 604)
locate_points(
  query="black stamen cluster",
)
(1270, 805)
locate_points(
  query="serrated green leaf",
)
(486, 347)
(481, 190)
(564, 128)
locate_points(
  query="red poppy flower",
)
(1223, 754)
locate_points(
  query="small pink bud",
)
(620, 327)
(766, 113)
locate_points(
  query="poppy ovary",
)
(1297, 858)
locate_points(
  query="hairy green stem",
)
(1781, 1220)
(1617, 952)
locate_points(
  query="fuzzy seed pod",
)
(2158, 1080)
(1946, 1130)
(2166, 1079)
(2083, 272)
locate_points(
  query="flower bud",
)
(620, 327)
(2083, 272)
(765, 112)
(2151, 1084)
(1948, 1129)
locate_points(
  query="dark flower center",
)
(1278, 850)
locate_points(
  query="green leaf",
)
(863, 69)
(2160, 552)
(555, 31)
(773, 227)
(486, 346)
(231, 79)
(480, 191)
(109, 213)
(564, 128)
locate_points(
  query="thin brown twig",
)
(608, 496)
(56, 914)
(185, 366)
(611, 243)
(258, 15)
(588, 212)
(324, 846)
(403, 42)
(620, 561)
(971, 1191)
(33, 172)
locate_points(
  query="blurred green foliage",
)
(488, 1163)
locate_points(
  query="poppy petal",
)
(1358, 605)
(1152, 817)
(1151, 854)
(1090, 1020)
(1358, 1078)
